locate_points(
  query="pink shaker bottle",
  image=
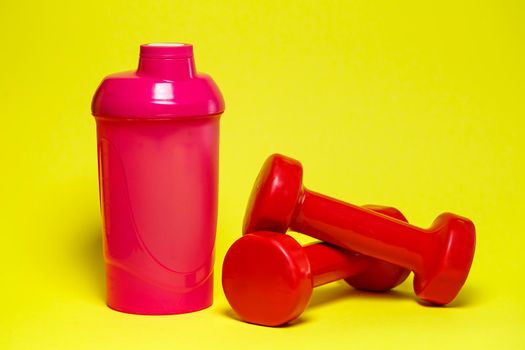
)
(158, 136)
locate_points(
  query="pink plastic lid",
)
(165, 85)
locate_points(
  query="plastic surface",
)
(440, 256)
(158, 164)
(268, 277)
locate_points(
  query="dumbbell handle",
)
(330, 264)
(361, 229)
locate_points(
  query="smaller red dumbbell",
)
(440, 256)
(268, 277)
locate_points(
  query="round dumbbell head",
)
(274, 196)
(266, 278)
(442, 277)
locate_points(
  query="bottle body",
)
(158, 191)
(158, 139)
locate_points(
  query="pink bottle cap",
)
(165, 86)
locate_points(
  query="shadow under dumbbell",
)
(301, 320)
(338, 291)
(468, 297)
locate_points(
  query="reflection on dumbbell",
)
(440, 256)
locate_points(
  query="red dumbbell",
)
(268, 277)
(440, 256)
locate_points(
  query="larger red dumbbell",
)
(440, 256)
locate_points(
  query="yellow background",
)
(420, 106)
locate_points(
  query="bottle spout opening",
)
(166, 50)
